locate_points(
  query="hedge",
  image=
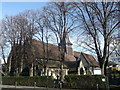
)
(41, 81)
(91, 82)
(84, 82)
(114, 79)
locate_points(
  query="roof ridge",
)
(43, 42)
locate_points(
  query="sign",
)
(97, 71)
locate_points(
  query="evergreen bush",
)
(91, 82)
(41, 81)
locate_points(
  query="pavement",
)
(10, 87)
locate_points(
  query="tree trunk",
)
(31, 70)
(45, 72)
(103, 69)
(62, 73)
(21, 66)
(9, 65)
(35, 70)
(17, 74)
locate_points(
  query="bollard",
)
(15, 84)
(54, 83)
(47, 82)
(60, 86)
(97, 87)
(108, 82)
(34, 84)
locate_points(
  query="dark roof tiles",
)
(90, 59)
(54, 53)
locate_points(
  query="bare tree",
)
(29, 30)
(3, 48)
(43, 35)
(16, 30)
(99, 25)
(61, 22)
(9, 32)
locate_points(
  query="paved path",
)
(10, 87)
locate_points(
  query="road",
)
(47, 89)
(36, 89)
(8, 87)
(22, 89)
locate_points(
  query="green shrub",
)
(85, 82)
(71, 81)
(42, 81)
(114, 81)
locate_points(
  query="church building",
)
(36, 58)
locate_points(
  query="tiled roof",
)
(54, 64)
(77, 54)
(89, 58)
(69, 58)
(53, 51)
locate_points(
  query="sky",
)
(13, 8)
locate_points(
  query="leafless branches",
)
(100, 24)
